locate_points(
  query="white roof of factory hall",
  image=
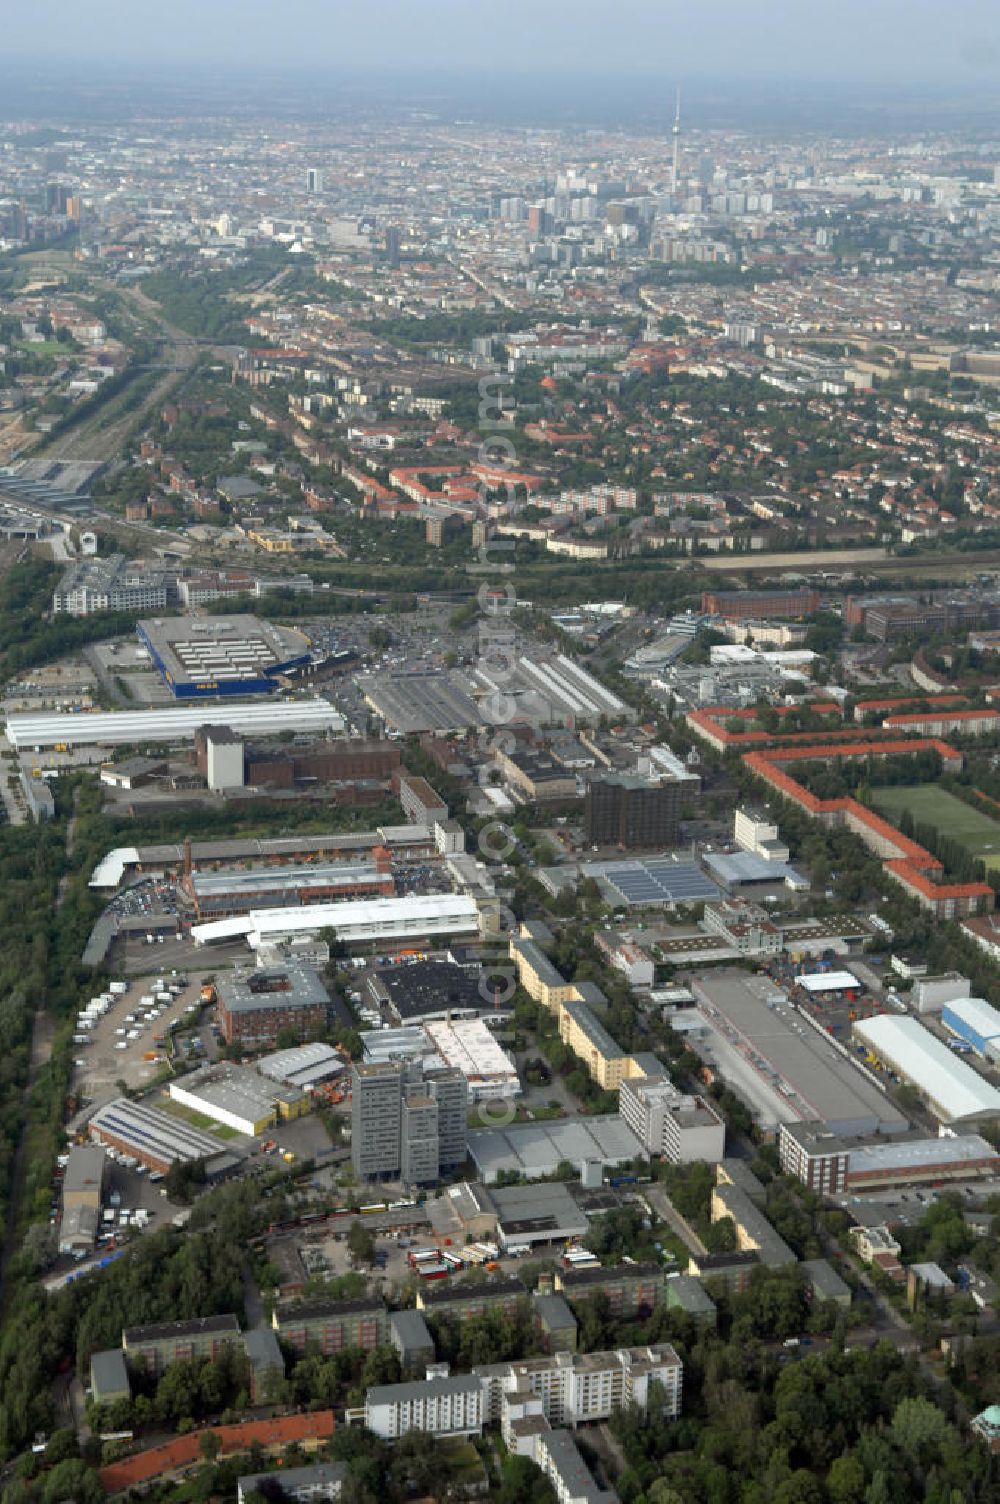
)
(953, 1088)
(385, 916)
(829, 981)
(124, 727)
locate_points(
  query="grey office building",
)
(376, 1108)
(450, 1091)
(406, 1123)
(419, 1160)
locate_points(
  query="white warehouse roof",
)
(117, 727)
(362, 919)
(954, 1090)
(829, 981)
(976, 1013)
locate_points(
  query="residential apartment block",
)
(631, 1289)
(155, 1347)
(331, 1326)
(465, 1300)
(442, 1406)
(576, 1388)
(670, 1122)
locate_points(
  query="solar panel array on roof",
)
(654, 881)
(148, 1130)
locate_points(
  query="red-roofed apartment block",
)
(309, 1431)
(880, 707)
(952, 723)
(710, 725)
(904, 860)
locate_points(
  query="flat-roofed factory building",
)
(418, 916)
(214, 895)
(783, 1067)
(238, 1097)
(253, 1006)
(175, 724)
(215, 656)
(468, 1045)
(831, 1165)
(954, 1091)
(158, 1139)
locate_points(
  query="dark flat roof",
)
(609, 1274)
(317, 1309)
(199, 1326)
(470, 1289)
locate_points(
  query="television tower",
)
(676, 133)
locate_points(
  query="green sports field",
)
(931, 806)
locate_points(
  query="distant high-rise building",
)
(314, 180)
(513, 207)
(56, 196)
(393, 243)
(626, 809)
(407, 1123)
(539, 220)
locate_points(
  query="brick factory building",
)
(253, 1006)
(744, 605)
(322, 762)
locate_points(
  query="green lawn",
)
(45, 347)
(932, 806)
(197, 1119)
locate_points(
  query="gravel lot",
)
(102, 1063)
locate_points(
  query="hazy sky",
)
(898, 41)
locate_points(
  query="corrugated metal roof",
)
(381, 915)
(951, 1086)
(175, 724)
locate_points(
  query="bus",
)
(580, 1258)
(376, 1206)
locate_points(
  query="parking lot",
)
(102, 1062)
(125, 1191)
(150, 895)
